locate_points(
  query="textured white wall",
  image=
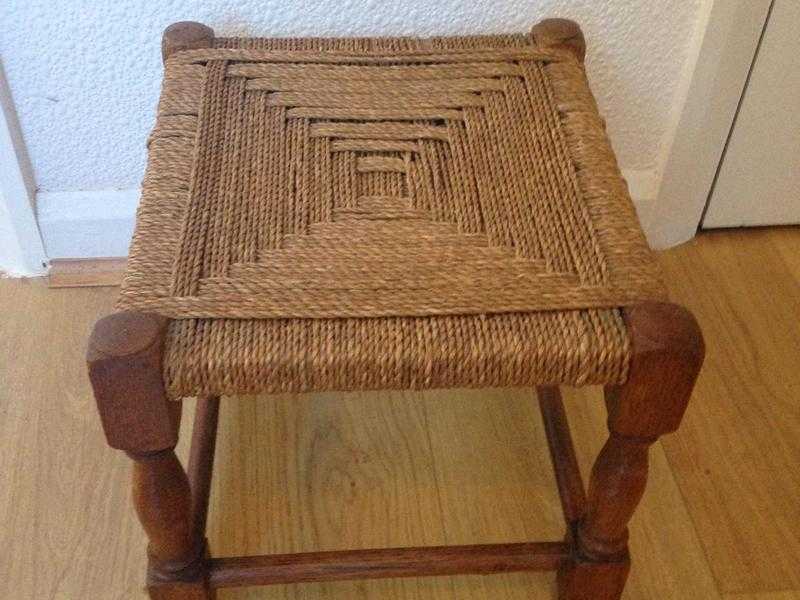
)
(85, 74)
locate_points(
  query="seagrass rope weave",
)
(384, 212)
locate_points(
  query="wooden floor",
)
(720, 520)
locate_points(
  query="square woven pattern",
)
(384, 212)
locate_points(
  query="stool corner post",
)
(124, 362)
(563, 34)
(667, 352)
(185, 35)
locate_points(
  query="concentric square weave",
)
(321, 197)
(410, 182)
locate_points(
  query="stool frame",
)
(125, 368)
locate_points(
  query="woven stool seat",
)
(340, 214)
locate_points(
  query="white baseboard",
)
(99, 224)
(89, 224)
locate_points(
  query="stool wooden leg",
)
(124, 360)
(667, 352)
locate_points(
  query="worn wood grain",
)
(571, 489)
(381, 563)
(123, 359)
(200, 466)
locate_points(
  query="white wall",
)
(85, 74)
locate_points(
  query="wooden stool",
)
(386, 213)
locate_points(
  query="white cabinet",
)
(759, 178)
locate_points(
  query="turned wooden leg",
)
(667, 352)
(124, 360)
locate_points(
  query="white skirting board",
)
(95, 224)
(87, 224)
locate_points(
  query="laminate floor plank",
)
(737, 454)
(330, 471)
